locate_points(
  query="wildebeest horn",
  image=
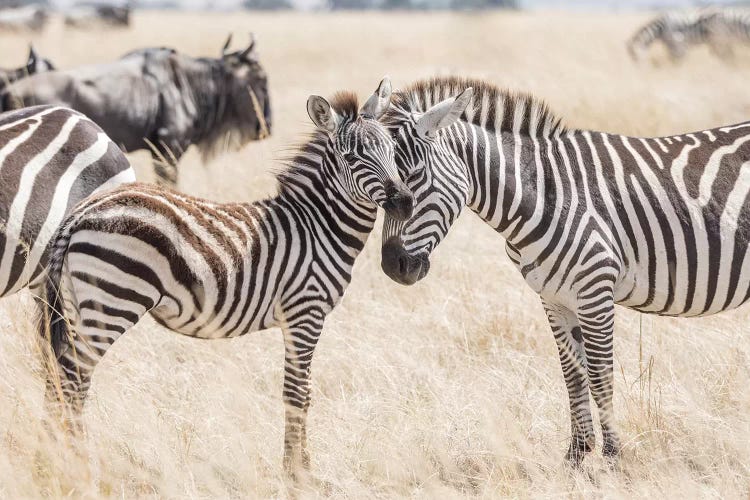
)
(249, 48)
(226, 45)
(32, 54)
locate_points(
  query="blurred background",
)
(450, 388)
(380, 4)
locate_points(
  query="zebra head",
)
(363, 149)
(437, 177)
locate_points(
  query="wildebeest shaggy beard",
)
(161, 100)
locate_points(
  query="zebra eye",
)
(350, 157)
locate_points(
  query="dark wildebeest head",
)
(34, 64)
(247, 89)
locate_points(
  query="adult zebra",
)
(590, 219)
(211, 270)
(680, 31)
(50, 159)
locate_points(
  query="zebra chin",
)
(401, 266)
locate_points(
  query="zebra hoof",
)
(611, 451)
(577, 452)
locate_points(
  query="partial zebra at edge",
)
(51, 158)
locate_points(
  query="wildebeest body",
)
(160, 100)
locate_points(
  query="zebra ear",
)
(444, 114)
(322, 114)
(378, 102)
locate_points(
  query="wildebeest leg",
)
(165, 170)
(721, 47)
(567, 332)
(165, 154)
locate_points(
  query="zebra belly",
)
(689, 287)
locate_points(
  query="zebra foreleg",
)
(300, 339)
(597, 328)
(567, 332)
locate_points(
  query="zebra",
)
(590, 219)
(211, 270)
(50, 159)
(679, 31)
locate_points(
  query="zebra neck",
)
(510, 179)
(312, 196)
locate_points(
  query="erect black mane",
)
(423, 94)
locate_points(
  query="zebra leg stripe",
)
(567, 332)
(597, 328)
(300, 339)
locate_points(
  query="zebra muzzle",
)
(399, 202)
(401, 266)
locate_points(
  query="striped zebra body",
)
(719, 29)
(50, 159)
(590, 219)
(211, 270)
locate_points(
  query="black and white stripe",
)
(679, 31)
(50, 159)
(212, 270)
(659, 225)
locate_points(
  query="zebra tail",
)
(52, 325)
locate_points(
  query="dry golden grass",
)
(450, 388)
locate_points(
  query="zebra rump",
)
(51, 158)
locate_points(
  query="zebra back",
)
(51, 158)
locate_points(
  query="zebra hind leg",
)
(567, 334)
(91, 332)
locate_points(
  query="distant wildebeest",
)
(34, 64)
(161, 100)
(30, 17)
(84, 16)
(50, 159)
(679, 31)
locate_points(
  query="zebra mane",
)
(304, 160)
(423, 94)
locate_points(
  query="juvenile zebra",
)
(50, 159)
(211, 270)
(590, 219)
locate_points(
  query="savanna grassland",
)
(446, 389)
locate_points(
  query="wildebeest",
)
(84, 16)
(29, 17)
(34, 64)
(161, 100)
